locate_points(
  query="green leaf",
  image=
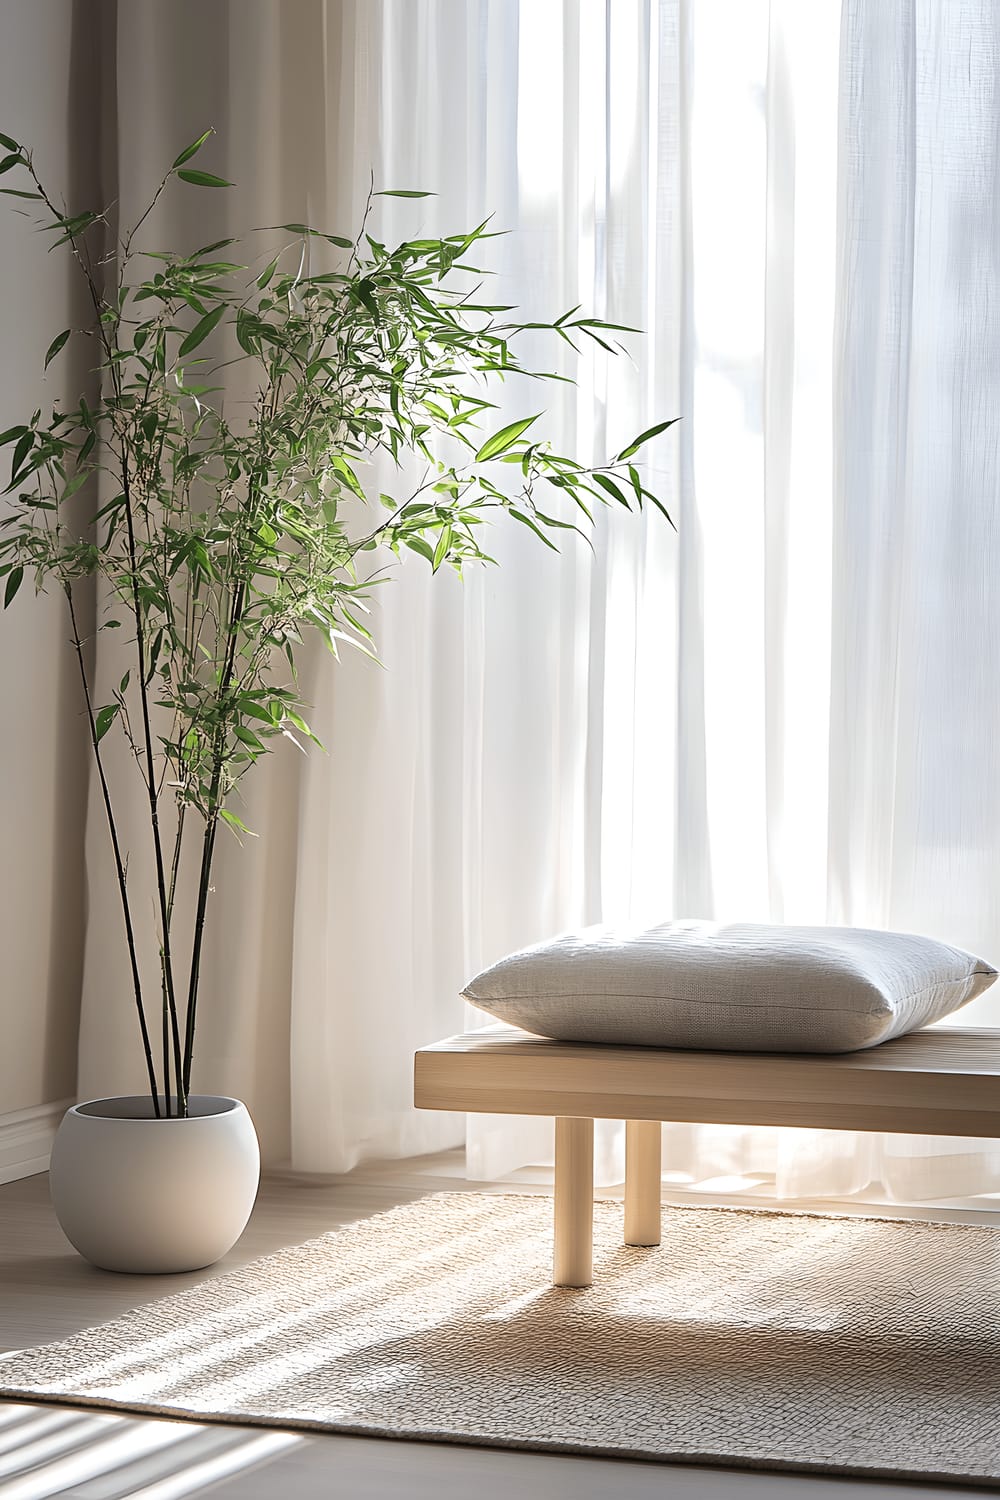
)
(77, 482)
(189, 151)
(418, 545)
(301, 725)
(13, 584)
(342, 467)
(644, 437)
(11, 434)
(403, 193)
(9, 142)
(661, 508)
(244, 334)
(636, 482)
(442, 548)
(56, 344)
(609, 486)
(124, 682)
(72, 228)
(215, 245)
(201, 330)
(14, 160)
(247, 737)
(203, 179)
(105, 718)
(527, 521)
(20, 193)
(331, 239)
(267, 273)
(200, 558)
(364, 291)
(22, 450)
(254, 711)
(235, 823)
(505, 438)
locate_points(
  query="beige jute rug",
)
(764, 1340)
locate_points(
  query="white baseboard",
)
(26, 1137)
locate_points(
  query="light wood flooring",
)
(48, 1292)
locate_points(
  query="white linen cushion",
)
(746, 987)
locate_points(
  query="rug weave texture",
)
(754, 1339)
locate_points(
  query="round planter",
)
(149, 1196)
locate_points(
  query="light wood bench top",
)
(943, 1081)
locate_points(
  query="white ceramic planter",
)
(146, 1195)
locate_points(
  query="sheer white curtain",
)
(915, 750)
(786, 709)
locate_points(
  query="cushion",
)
(747, 987)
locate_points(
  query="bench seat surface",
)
(941, 1081)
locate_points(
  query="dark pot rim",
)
(137, 1109)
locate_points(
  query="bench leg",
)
(574, 1203)
(642, 1182)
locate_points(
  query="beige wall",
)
(43, 43)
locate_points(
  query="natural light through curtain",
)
(786, 709)
(703, 149)
(703, 141)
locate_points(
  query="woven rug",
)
(753, 1339)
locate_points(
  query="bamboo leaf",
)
(189, 151)
(24, 446)
(78, 480)
(236, 824)
(244, 336)
(610, 487)
(267, 273)
(201, 330)
(661, 508)
(442, 548)
(14, 578)
(527, 521)
(104, 720)
(636, 482)
(302, 726)
(202, 179)
(403, 193)
(644, 437)
(56, 344)
(343, 468)
(418, 545)
(504, 439)
(254, 711)
(215, 245)
(9, 142)
(73, 227)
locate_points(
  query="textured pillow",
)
(741, 988)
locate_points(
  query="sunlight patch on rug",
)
(758, 1339)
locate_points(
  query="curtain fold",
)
(783, 710)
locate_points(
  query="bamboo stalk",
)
(208, 843)
(116, 847)
(150, 779)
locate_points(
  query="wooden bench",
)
(935, 1082)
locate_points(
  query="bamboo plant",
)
(218, 536)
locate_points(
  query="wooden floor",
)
(47, 1292)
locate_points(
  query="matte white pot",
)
(136, 1193)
